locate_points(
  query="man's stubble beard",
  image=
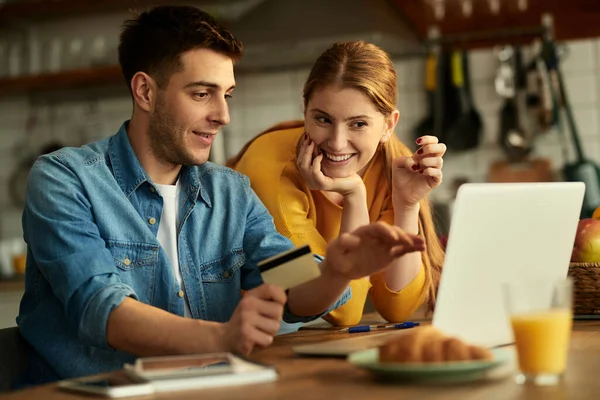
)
(166, 142)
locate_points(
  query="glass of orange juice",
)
(541, 316)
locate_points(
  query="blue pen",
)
(369, 328)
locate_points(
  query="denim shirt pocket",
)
(136, 263)
(221, 281)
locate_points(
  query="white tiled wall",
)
(261, 100)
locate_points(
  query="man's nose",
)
(220, 112)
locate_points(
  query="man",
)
(137, 246)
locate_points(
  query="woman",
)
(343, 167)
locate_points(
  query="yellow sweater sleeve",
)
(396, 306)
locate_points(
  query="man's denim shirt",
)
(91, 222)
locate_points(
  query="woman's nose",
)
(337, 141)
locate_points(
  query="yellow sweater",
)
(308, 216)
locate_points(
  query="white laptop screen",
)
(502, 232)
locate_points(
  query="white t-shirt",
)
(167, 231)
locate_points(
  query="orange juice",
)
(542, 340)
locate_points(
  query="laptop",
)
(499, 232)
(502, 232)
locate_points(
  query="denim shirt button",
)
(151, 220)
(180, 293)
(152, 190)
(226, 274)
(127, 261)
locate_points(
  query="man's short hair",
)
(154, 41)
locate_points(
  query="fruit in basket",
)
(587, 241)
(596, 214)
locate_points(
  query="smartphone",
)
(118, 386)
(170, 367)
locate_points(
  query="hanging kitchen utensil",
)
(447, 98)
(516, 133)
(515, 139)
(521, 100)
(539, 97)
(504, 82)
(426, 126)
(466, 132)
(442, 97)
(582, 169)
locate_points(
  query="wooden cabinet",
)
(573, 19)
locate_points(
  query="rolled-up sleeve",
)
(66, 246)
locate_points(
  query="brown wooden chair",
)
(13, 356)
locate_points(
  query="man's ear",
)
(143, 88)
(390, 124)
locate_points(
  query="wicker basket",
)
(586, 287)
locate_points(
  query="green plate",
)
(451, 372)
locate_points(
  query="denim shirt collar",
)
(130, 174)
(191, 182)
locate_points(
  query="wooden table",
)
(333, 378)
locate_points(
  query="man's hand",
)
(369, 249)
(255, 320)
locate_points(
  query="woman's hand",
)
(414, 177)
(310, 169)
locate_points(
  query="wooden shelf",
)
(78, 78)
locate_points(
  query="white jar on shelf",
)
(15, 58)
(74, 56)
(98, 51)
(52, 54)
(34, 52)
(55, 54)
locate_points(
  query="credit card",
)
(291, 268)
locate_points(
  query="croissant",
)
(428, 344)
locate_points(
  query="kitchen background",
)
(59, 85)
